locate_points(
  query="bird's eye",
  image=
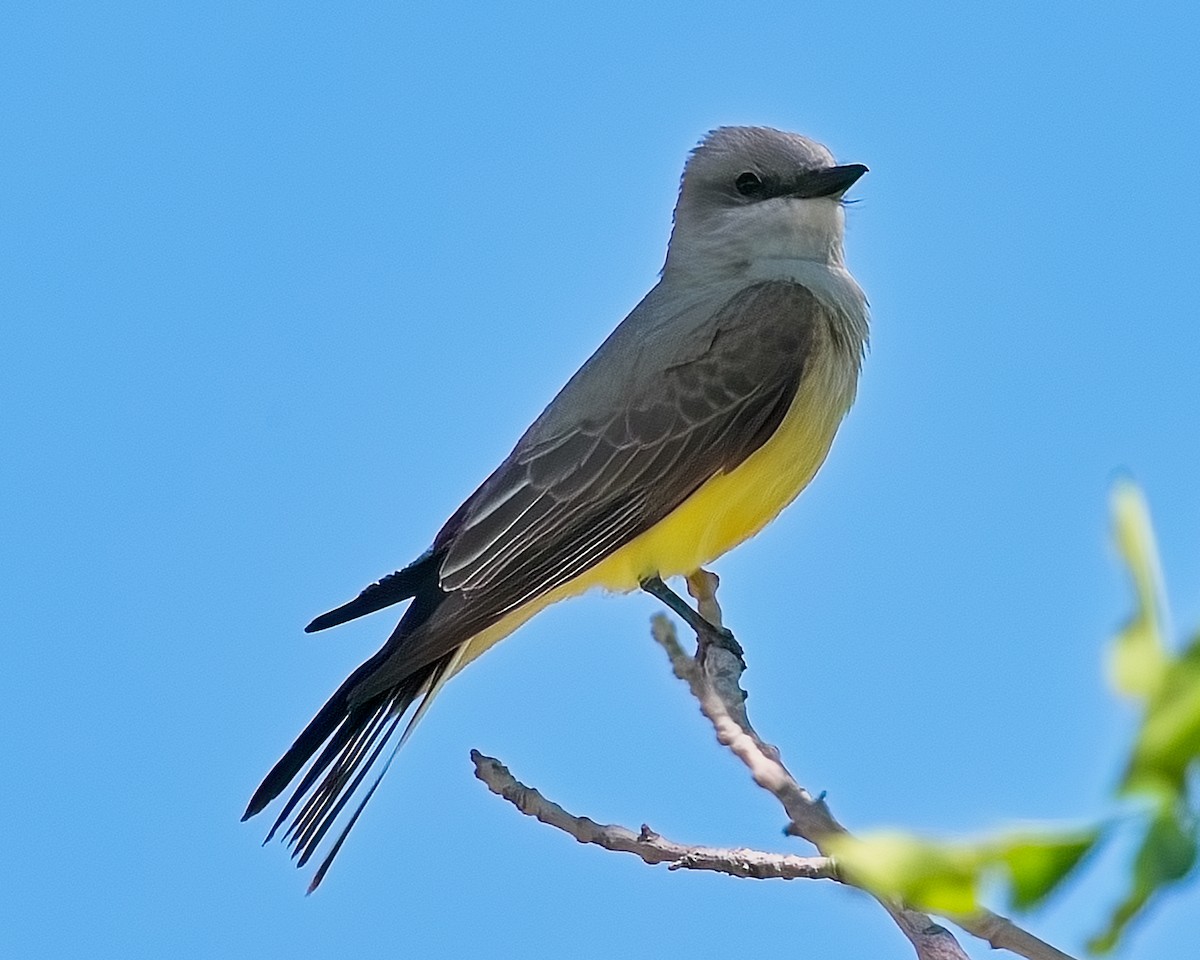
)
(748, 184)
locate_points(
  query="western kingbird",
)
(707, 410)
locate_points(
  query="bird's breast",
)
(732, 507)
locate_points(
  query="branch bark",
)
(650, 846)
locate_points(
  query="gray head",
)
(754, 193)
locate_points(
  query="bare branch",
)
(716, 685)
(715, 682)
(652, 848)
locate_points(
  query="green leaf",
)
(1168, 742)
(1142, 664)
(1038, 864)
(945, 877)
(1137, 660)
(1167, 855)
(941, 878)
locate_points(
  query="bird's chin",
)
(792, 229)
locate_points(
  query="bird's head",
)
(752, 195)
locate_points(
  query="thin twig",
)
(652, 848)
(716, 685)
(1003, 934)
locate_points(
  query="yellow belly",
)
(726, 510)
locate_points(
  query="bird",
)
(705, 412)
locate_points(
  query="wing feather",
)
(588, 490)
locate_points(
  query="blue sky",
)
(281, 283)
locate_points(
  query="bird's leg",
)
(707, 632)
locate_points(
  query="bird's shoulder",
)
(725, 325)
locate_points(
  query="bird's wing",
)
(562, 502)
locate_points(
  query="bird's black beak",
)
(828, 182)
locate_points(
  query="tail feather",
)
(320, 802)
(427, 690)
(337, 844)
(342, 748)
(319, 825)
(350, 740)
(336, 742)
(342, 743)
(393, 588)
(328, 719)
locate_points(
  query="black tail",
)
(353, 731)
(330, 718)
(393, 588)
(353, 739)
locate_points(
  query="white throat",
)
(780, 239)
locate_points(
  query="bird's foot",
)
(708, 634)
(723, 638)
